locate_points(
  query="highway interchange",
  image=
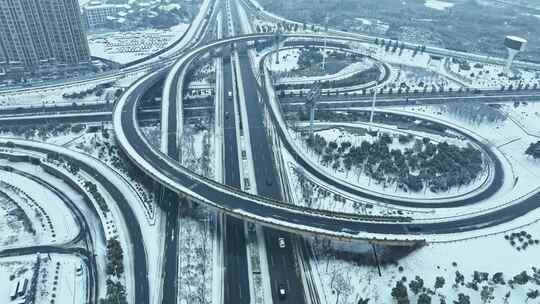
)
(251, 115)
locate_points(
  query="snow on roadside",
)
(197, 235)
(59, 134)
(15, 225)
(96, 229)
(356, 134)
(488, 254)
(57, 278)
(51, 219)
(526, 115)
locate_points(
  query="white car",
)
(281, 242)
(282, 292)
(229, 94)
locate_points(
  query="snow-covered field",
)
(56, 278)
(101, 145)
(124, 47)
(197, 148)
(196, 223)
(358, 133)
(489, 254)
(491, 76)
(526, 115)
(50, 97)
(152, 133)
(58, 134)
(46, 218)
(438, 5)
(288, 60)
(195, 241)
(307, 193)
(418, 78)
(15, 225)
(502, 256)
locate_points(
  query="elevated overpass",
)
(274, 213)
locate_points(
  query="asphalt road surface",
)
(236, 284)
(282, 264)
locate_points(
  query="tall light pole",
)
(325, 42)
(373, 107)
(311, 102)
(277, 37)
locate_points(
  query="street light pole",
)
(276, 38)
(373, 107)
(325, 43)
(311, 102)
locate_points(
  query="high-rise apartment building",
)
(37, 34)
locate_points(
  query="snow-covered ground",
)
(101, 145)
(58, 134)
(288, 60)
(95, 227)
(50, 97)
(306, 192)
(491, 76)
(438, 5)
(526, 115)
(195, 240)
(57, 278)
(339, 272)
(507, 138)
(346, 72)
(124, 47)
(357, 133)
(418, 78)
(488, 254)
(15, 225)
(197, 148)
(45, 217)
(196, 223)
(152, 133)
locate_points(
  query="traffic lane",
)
(283, 271)
(229, 123)
(236, 266)
(170, 269)
(236, 270)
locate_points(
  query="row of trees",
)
(115, 257)
(427, 89)
(473, 112)
(534, 150)
(92, 188)
(362, 77)
(481, 282)
(284, 27)
(98, 91)
(116, 293)
(43, 132)
(438, 167)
